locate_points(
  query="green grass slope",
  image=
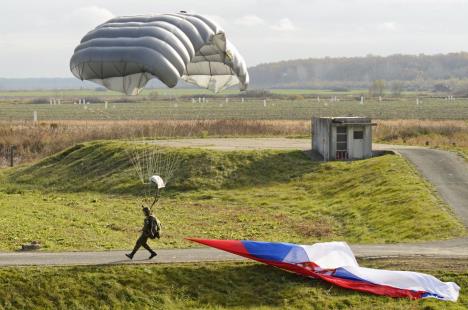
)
(207, 286)
(88, 198)
(106, 167)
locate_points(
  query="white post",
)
(59, 101)
(242, 100)
(318, 98)
(380, 98)
(199, 100)
(50, 101)
(417, 101)
(264, 102)
(35, 116)
(362, 99)
(106, 105)
(227, 100)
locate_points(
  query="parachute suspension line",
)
(116, 68)
(92, 69)
(124, 75)
(82, 70)
(140, 80)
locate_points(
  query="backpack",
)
(155, 231)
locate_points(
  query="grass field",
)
(256, 109)
(241, 285)
(88, 197)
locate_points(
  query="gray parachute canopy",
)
(124, 53)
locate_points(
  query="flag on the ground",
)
(334, 262)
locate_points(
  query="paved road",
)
(445, 170)
(448, 172)
(453, 249)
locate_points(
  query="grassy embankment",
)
(87, 197)
(209, 286)
(450, 135)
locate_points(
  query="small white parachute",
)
(158, 181)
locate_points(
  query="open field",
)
(9, 94)
(256, 109)
(242, 285)
(35, 141)
(88, 198)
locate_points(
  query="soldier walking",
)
(150, 230)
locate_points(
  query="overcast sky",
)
(37, 38)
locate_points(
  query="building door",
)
(358, 143)
(341, 142)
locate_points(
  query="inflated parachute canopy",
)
(124, 53)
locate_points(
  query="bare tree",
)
(377, 88)
(396, 88)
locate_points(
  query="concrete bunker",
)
(342, 138)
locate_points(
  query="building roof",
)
(349, 120)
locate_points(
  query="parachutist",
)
(150, 230)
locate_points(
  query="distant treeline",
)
(447, 72)
(443, 73)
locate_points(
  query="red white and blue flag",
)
(334, 262)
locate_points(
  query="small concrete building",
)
(342, 138)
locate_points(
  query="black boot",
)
(153, 255)
(129, 255)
